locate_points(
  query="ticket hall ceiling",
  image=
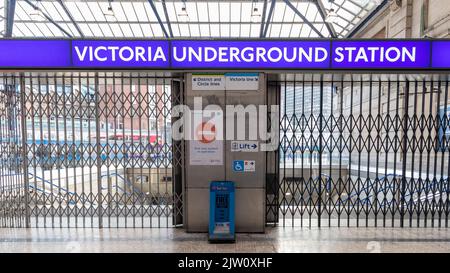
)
(184, 18)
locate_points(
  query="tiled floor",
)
(274, 240)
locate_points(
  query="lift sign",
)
(244, 146)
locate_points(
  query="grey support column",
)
(199, 175)
(250, 185)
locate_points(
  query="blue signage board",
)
(226, 54)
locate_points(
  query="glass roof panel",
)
(213, 10)
(140, 12)
(191, 10)
(204, 30)
(304, 8)
(20, 14)
(86, 29)
(225, 12)
(55, 31)
(225, 30)
(127, 31)
(25, 11)
(215, 30)
(254, 30)
(157, 31)
(186, 18)
(351, 6)
(235, 12)
(234, 30)
(23, 30)
(130, 12)
(278, 12)
(194, 30)
(274, 30)
(285, 31)
(295, 31)
(48, 29)
(2, 18)
(147, 30)
(116, 30)
(184, 30)
(85, 11)
(119, 13)
(97, 11)
(245, 31)
(201, 11)
(74, 10)
(173, 9)
(312, 13)
(100, 30)
(245, 12)
(55, 10)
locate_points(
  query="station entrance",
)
(95, 149)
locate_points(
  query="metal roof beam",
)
(170, 1)
(263, 19)
(27, 21)
(269, 17)
(155, 11)
(66, 10)
(169, 26)
(289, 4)
(10, 12)
(322, 13)
(49, 18)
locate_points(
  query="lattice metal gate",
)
(362, 150)
(90, 149)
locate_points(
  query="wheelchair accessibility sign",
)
(244, 165)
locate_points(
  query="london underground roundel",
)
(206, 132)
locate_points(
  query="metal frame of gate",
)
(92, 149)
(347, 163)
(89, 149)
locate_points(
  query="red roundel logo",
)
(206, 132)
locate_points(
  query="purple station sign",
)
(226, 54)
(440, 56)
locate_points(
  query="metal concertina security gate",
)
(88, 150)
(362, 150)
(93, 149)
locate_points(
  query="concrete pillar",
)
(250, 186)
